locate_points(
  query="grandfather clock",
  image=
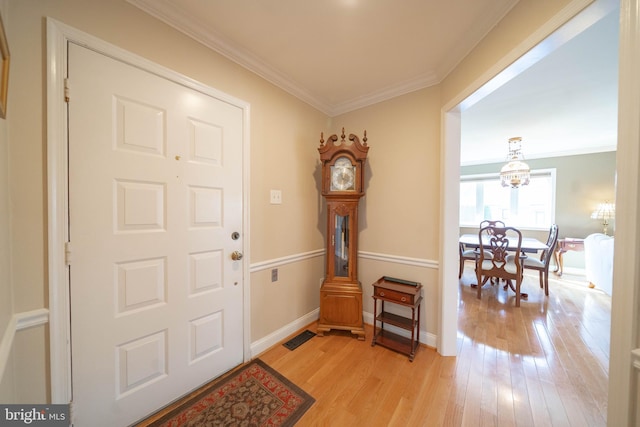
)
(342, 187)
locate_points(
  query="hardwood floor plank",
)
(543, 364)
(506, 411)
(555, 407)
(521, 405)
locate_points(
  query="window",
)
(532, 206)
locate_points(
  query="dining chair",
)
(465, 255)
(496, 258)
(492, 223)
(541, 264)
(471, 254)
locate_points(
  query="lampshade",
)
(516, 172)
(605, 211)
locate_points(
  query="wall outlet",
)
(274, 275)
(276, 197)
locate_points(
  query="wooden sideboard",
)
(565, 245)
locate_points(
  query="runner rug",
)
(254, 395)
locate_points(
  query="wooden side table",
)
(565, 245)
(403, 293)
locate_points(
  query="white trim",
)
(424, 337)
(6, 344)
(173, 16)
(622, 407)
(29, 319)
(58, 36)
(449, 232)
(264, 344)
(416, 262)
(274, 338)
(19, 322)
(279, 262)
(635, 357)
(246, 227)
(59, 327)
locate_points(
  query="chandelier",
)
(516, 172)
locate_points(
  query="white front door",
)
(155, 197)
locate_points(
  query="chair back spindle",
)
(500, 257)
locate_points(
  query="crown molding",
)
(176, 18)
(424, 81)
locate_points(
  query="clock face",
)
(343, 175)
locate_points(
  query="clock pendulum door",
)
(341, 292)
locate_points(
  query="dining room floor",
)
(553, 352)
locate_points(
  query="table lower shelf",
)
(395, 342)
(395, 320)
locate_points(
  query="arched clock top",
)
(343, 165)
(332, 148)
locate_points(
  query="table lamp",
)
(605, 212)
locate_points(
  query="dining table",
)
(528, 245)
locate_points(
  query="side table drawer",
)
(391, 295)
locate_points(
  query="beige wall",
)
(6, 298)
(399, 215)
(6, 294)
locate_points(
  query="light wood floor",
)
(544, 364)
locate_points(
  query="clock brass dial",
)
(343, 175)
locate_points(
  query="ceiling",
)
(341, 55)
(338, 55)
(563, 104)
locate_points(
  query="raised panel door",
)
(155, 191)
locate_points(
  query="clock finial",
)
(364, 140)
(342, 136)
(321, 138)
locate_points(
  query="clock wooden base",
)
(341, 308)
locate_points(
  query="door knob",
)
(236, 256)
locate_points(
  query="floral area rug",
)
(254, 395)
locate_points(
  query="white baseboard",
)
(424, 337)
(274, 338)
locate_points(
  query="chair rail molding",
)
(19, 322)
(396, 259)
(416, 262)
